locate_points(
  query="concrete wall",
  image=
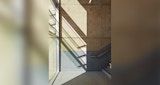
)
(98, 24)
(134, 37)
(90, 19)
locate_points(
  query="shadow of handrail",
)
(72, 38)
(74, 54)
(71, 22)
(78, 36)
(67, 45)
(65, 30)
(75, 43)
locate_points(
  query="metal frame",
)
(58, 45)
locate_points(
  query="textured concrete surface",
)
(86, 24)
(90, 21)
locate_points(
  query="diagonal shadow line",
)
(73, 24)
(81, 65)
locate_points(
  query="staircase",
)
(77, 46)
(104, 52)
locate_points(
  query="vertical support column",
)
(60, 32)
(58, 45)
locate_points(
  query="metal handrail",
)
(102, 51)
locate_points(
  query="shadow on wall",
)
(97, 32)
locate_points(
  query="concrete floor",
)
(79, 78)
